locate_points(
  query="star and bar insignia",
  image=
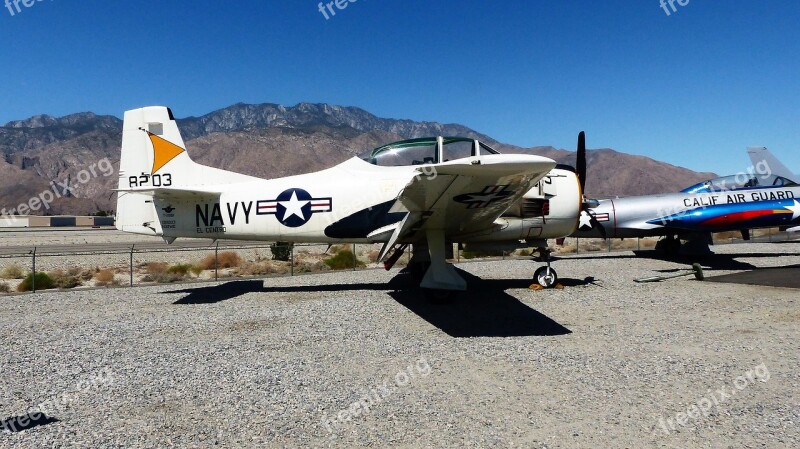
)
(294, 207)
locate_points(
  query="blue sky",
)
(693, 88)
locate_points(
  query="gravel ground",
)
(602, 363)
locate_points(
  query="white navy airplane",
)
(429, 193)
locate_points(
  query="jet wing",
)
(467, 195)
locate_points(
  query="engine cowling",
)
(550, 209)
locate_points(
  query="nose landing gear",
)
(545, 277)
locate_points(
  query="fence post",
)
(577, 245)
(33, 276)
(609, 245)
(216, 262)
(131, 266)
(354, 257)
(291, 262)
(639, 244)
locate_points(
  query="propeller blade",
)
(580, 165)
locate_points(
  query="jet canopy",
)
(427, 150)
(740, 182)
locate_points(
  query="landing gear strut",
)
(545, 277)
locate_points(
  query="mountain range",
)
(269, 141)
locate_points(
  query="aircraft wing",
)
(467, 195)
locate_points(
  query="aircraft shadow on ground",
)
(709, 262)
(218, 293)
(485, 310)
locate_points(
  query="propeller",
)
(580, 163)
(580, 169)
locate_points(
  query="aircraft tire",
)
(542, 278)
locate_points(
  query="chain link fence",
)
(133, 266)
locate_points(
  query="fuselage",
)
(349, 201)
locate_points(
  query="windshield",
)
(424, 151)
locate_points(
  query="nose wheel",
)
(545, 277)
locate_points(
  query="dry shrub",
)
(373, 256)
(343, 260)
(181, 269)
(310, 266)
(43, 282)
(63, 279)
(226, 259)
(12, 272)
(80, 273)
(156, 268)
(566, 248)
(262, 268)
(104, 277)
(160, 272)
(5, 288)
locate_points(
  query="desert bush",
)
(226, 259)
(373, 256)
(63, 279)
(156, 267)
(343, 260)
(181, 269)
(281, 251)
(196, 270)
(5, 288)
(262, 268)
(309, 266)
(160, 272)
(80, 273)
(43, 282)
(12, 272)
(104, 277)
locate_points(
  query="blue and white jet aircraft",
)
(762, 198)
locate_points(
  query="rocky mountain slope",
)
(265, 140)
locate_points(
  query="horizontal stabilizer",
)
(168, 193)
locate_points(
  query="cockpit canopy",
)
(427, 150)
(740, 182)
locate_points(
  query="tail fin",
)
(767, 164)
(154, 161)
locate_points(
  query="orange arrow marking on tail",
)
(163, 151)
